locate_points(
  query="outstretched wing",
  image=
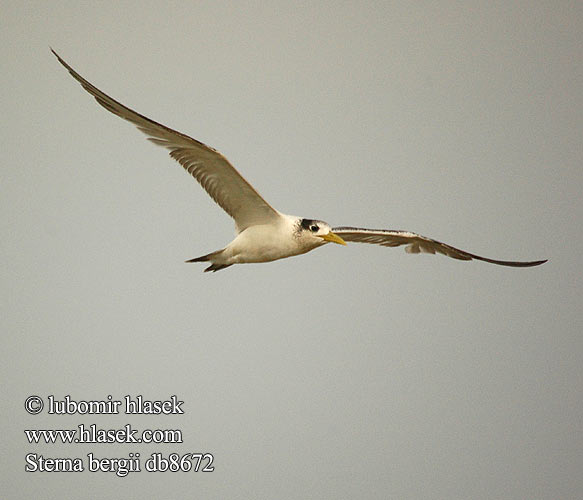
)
(209, 167)
(417, 244)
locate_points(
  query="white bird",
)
(263, 233)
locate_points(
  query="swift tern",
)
(263, 233)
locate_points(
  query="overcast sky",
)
(349, 372)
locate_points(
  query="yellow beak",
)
(334, 238)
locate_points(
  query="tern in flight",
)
(263, 233)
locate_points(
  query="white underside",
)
(264, 243)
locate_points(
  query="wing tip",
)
(58, 57)
(532, 263)
(539, 262)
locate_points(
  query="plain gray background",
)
(350, 372)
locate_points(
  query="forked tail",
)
(215, 266)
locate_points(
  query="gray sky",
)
(350, 372)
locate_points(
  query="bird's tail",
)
(215, 266)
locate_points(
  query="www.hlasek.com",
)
(92, 434)
(156, 462)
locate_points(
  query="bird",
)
(263, 234)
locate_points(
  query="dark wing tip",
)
(511, 263)
(535, 263)
(59, 57)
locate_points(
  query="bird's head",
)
(318, 232)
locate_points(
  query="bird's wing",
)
(209, 167)
(417, 244)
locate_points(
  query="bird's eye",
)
(314, 228)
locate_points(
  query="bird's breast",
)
(264, 243)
